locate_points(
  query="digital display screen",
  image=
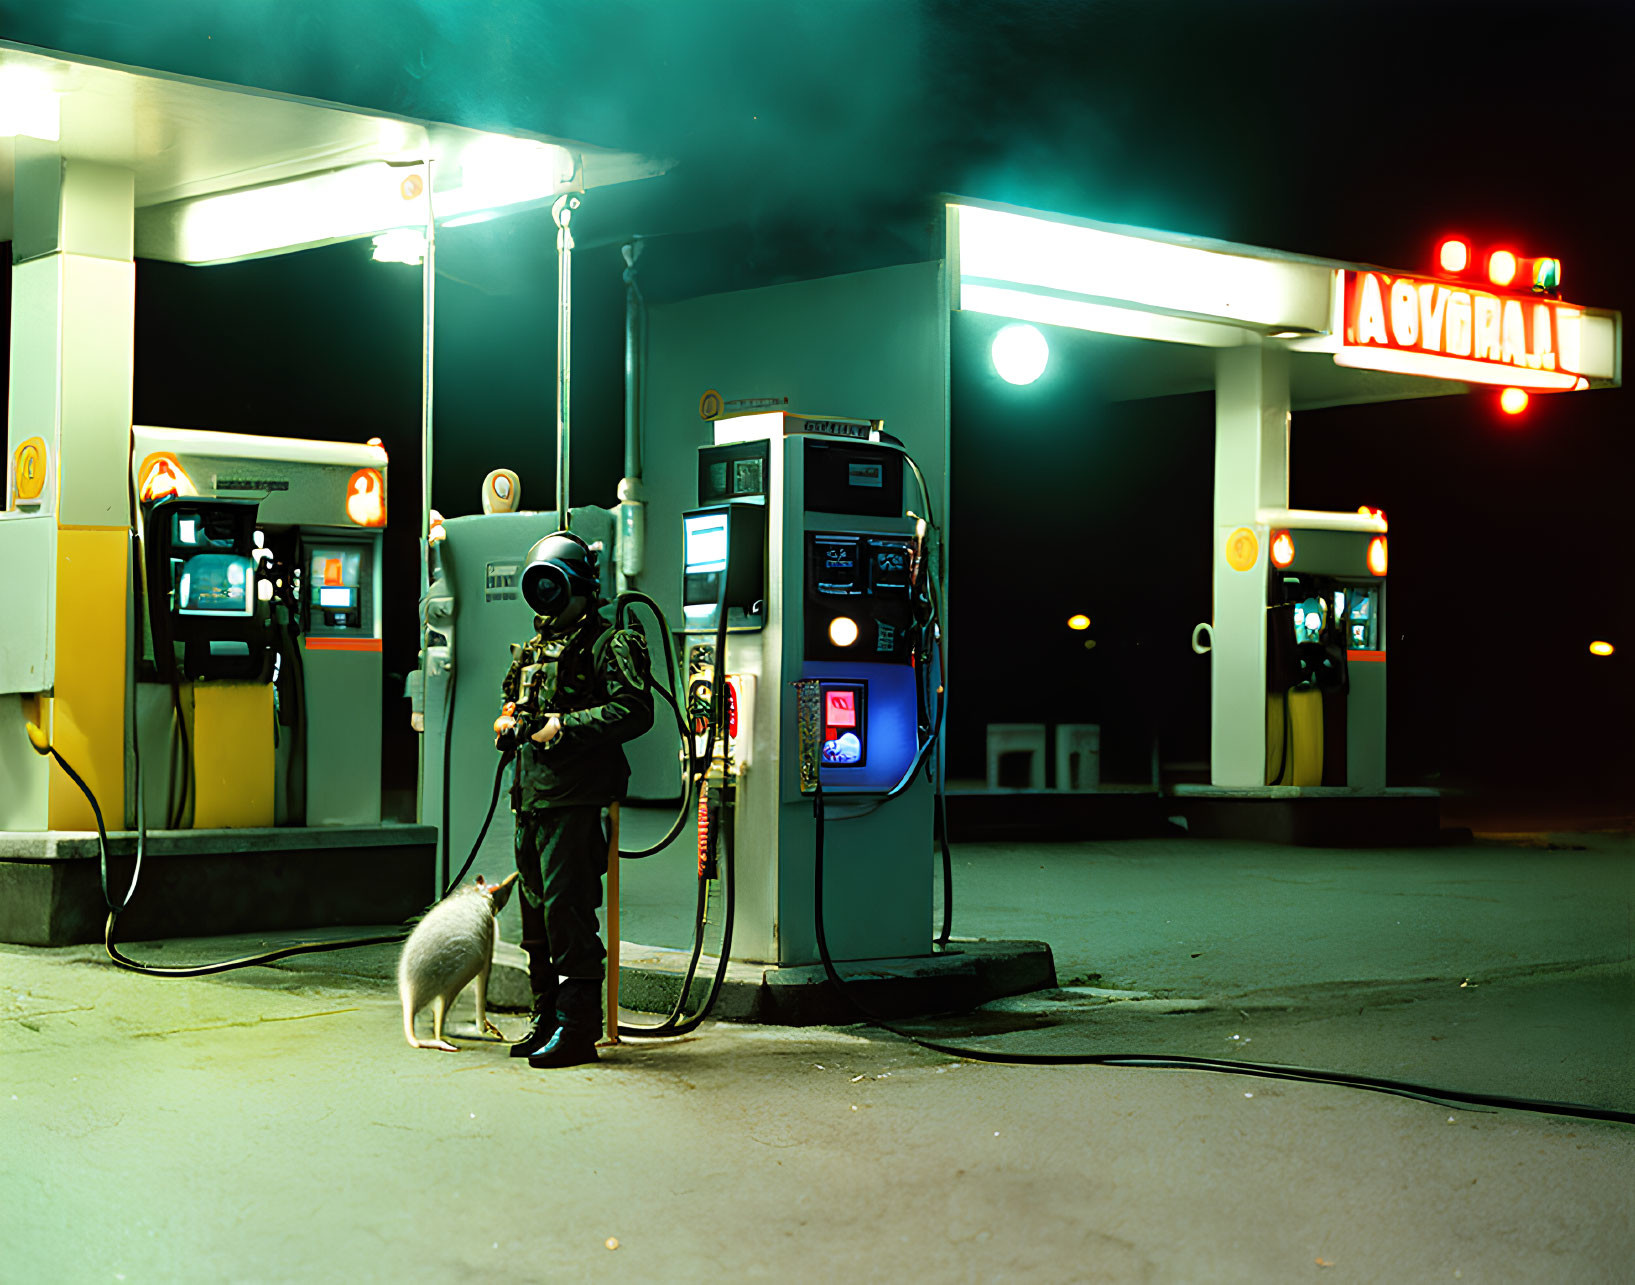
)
(889, 566)
(706, 542)
(865, 474)
(836, 559)
(216, 584)
(843, 728)
(343, 599)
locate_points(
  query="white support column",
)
(1251, 473)
(73, 310)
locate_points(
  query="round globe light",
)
(1020, 354)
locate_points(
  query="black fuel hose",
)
(1400, 1088)
(675, 1024)
(202, 970)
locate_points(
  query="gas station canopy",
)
(1153, 308)
(225, 173)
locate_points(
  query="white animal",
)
(451, 946)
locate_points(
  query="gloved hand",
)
(507, 729)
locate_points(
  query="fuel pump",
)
(836, 597)
(1325, 650)
(290, 679)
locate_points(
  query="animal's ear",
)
(480, 881)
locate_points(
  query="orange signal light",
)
(1453, 255)
(366, 498)
(1501, 267)
(1282, 549)
(1600, 648)
(1513, 401)
(1377, 555)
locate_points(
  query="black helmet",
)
(560, 581)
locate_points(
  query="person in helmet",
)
(575, 692)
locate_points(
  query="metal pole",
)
(562, 214)
(428, 323)
(611, 1034)
(428, 327)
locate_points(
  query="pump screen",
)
(706, 540)
(342, 599)
(836, 558)
(1309, 620)
(843, 724)
(216, 584)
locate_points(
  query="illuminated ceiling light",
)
(1282, 549)
(317, 209)
(497, 172)
(1501, 267)
(401, 245)
(466, 220)
(842, 631)
(1002, 248)
(1080, 621)
(29, 107)
(1513, 401)
(1599, 648)
(366, 497)
(1377, 555)
(1098, 318)
(1453, 255)
(1020, 354)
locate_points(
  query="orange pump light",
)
(1513, 401)
(1501, 267)
(1453, 255)
(1080, 621)
(1599, 648)
(1282, 549)
(163, 475)
(842, 631)
(366, 498)
(1377, 555)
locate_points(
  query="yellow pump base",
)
(1301, 724)
(233, 755)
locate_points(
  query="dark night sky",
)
(808, 139)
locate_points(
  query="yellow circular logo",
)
(412, 187)
(709, 405)
(30, 469)
(1242, 549)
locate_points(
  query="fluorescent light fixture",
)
(497, 171)
(401, 245)
(1020, 353)
(29, 106)
(1054, 310)
(1001, 248)
(493, 173)
(318, 209)
(1460, 369)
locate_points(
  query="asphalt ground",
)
(271, 1124)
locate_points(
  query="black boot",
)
(579, 1026)
(542, 1026)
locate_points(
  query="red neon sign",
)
(1450, 330)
